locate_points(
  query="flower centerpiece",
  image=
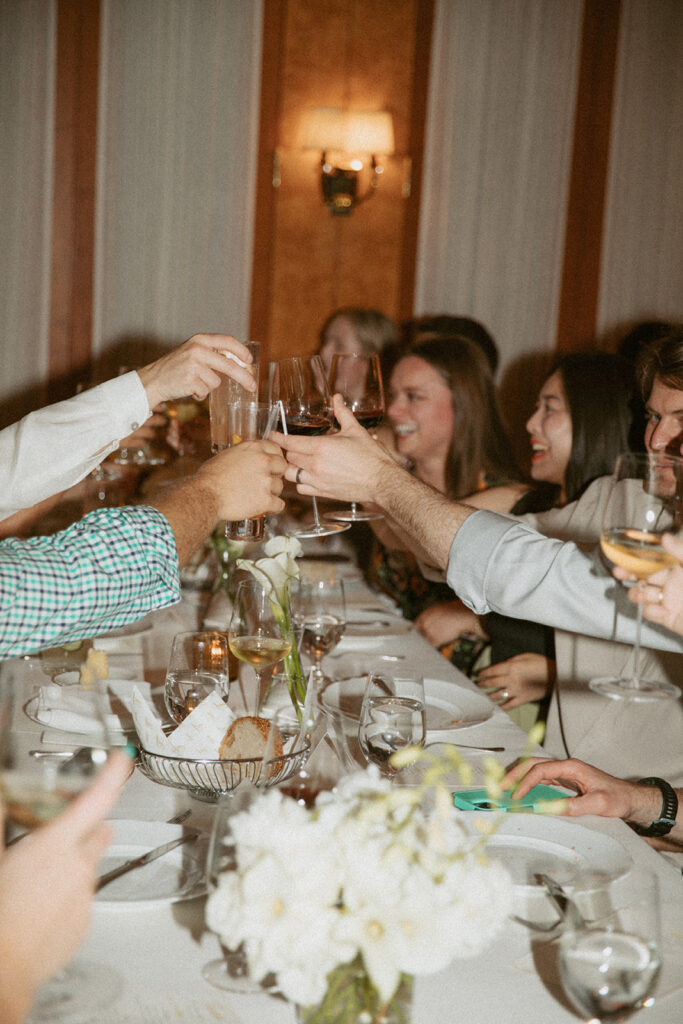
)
(345, 902)
(275, 571)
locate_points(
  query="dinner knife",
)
(146, 858)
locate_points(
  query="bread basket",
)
(208, 780)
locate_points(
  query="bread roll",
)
(247, 738)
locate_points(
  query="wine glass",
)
(358, 378)
(392, 717)
(299, 383)
(231, 971)
(610, 952)
(34, 790)
(259, 632)
(198, 665)
(319, 611)
(644, 502)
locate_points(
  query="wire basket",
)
(208, 780)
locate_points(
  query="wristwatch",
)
(667, 818)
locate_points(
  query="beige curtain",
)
(27, 57)
(642, 265)
(178, 119)
(498, 153)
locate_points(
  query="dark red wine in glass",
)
(358, 379)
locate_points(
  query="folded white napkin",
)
(70, 710)
(198, 736)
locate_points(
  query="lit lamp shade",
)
(326, 128)
(370, 133)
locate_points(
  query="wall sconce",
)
(352, 137)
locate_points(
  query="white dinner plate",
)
(178, 875)
(448, 706)
(528, 844)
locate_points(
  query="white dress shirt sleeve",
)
(496, 564)
(55, 447)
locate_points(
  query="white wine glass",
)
(358, 379)
(610, 951)
(319, 613)
(198, 666)
(644, 502)
(33, 791)
(300, 384)
(260, 631)
(392, 717)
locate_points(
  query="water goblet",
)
(610, 953)
(300, 385)
(392, 717)
(319, 611)
(260, 630)
(358, 378)
(645, 500)
(231, 971)
(33, 791)
(198, 665)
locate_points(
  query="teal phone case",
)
(480, 800)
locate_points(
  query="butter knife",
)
(146, 858)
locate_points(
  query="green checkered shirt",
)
(103, 572)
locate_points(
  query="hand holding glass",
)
(644, 502)
(358, 379)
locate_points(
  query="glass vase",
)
(351, 998)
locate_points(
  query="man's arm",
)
(53, 448)
(116, 564)
(597, 792)
(351, 466)
(494, 563)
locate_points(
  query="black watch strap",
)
(667, 818)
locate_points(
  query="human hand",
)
(518, 680)
(195, 368)
(661, 595)
(346, 466)
(46, 889)
(441, 623)
(246, 479)
(597, 792)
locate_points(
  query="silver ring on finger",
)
(298, 475)
(504, 694)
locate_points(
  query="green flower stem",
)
(351, 997)
(294, 673)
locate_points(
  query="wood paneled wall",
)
(357, 56)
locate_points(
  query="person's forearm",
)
(428, 517)
(189, 531)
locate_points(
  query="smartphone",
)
(480, 800)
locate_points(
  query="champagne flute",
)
(319, 611)
(644, 502)
(610, 952)
(33, 791)
(392, 717)
(358, 378)
(198, 666)
(299, 383)
(259, 632)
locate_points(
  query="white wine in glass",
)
(644, 502)
(260, 632)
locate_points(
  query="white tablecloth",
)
(159, 951)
